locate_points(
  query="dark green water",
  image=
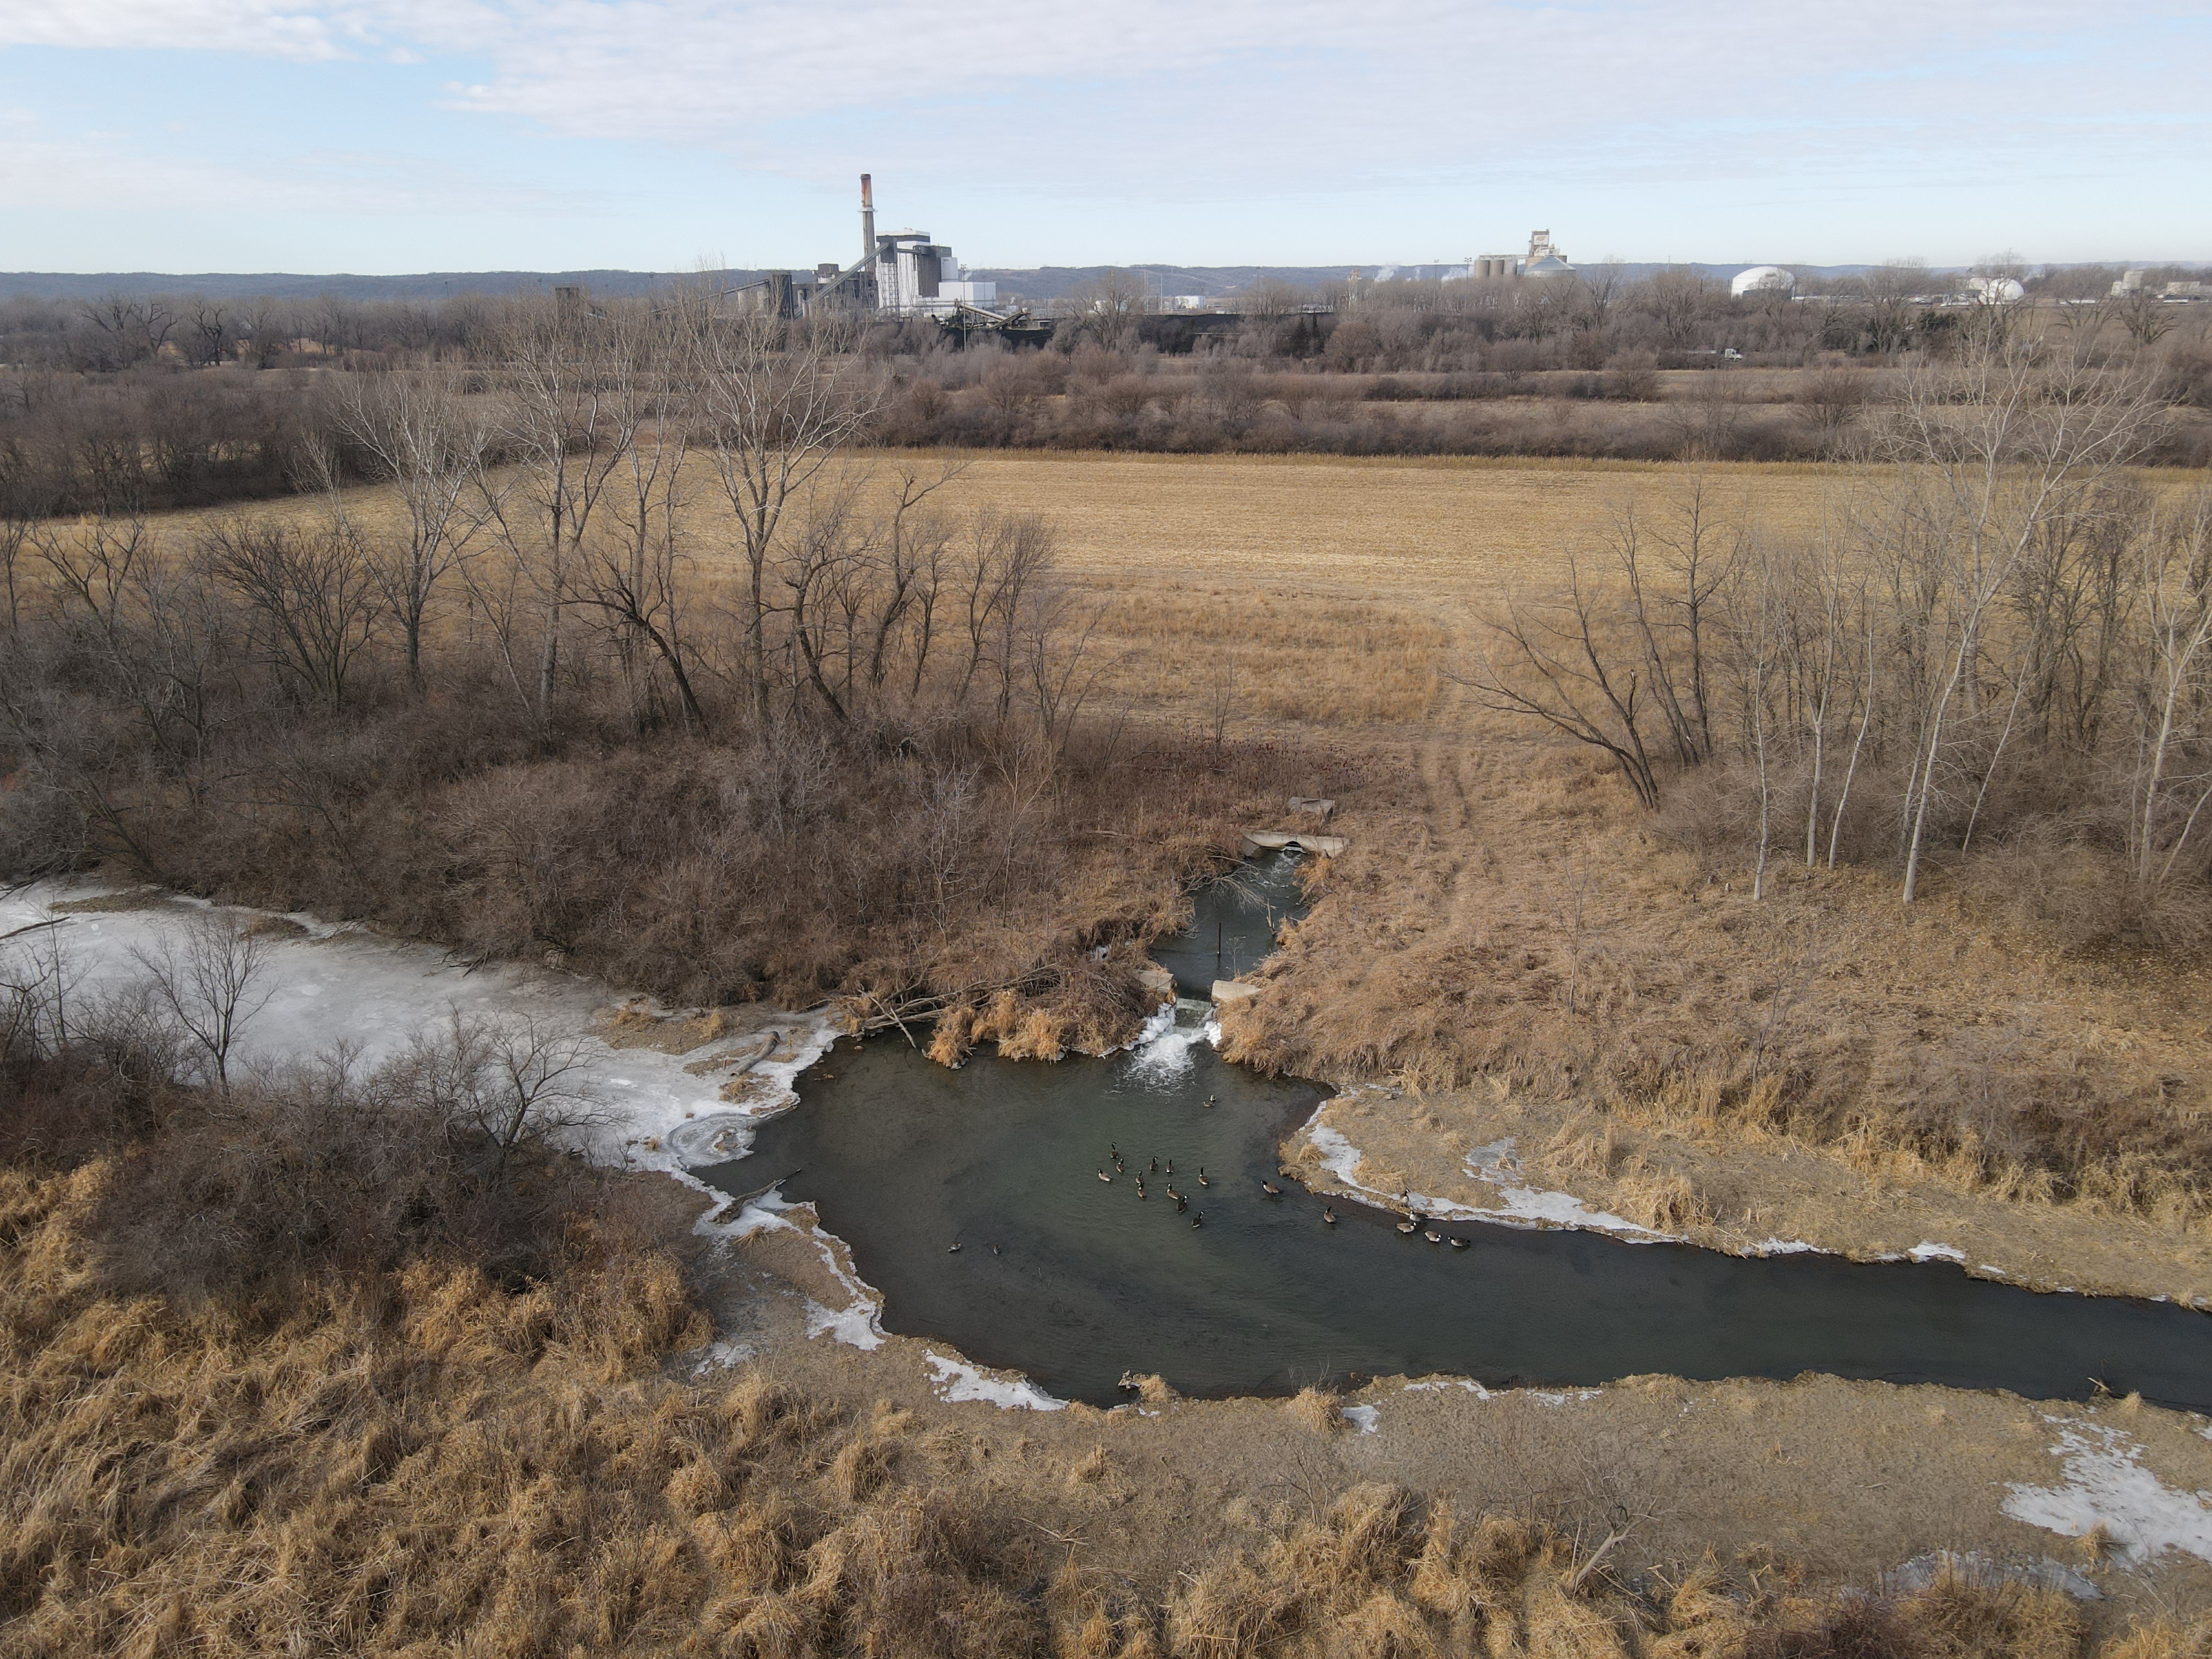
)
(1087, 1280)
(1234, 924)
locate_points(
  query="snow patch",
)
(2107, 1485)
(857, 1324)
(1784, 1247)
(1366, 1419)
(342, 989)
(720, 1356)
(1437, 1385)
(957, 1381)
(1926, 1252)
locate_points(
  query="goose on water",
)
(952, 1249)
(1328, 1215)
(1198, 1219)
(1271, 1189)
(1459, 1243)
(1407, 1226)
(1103, 1176)
(1434, 1238)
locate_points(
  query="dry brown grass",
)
(1506, 913)
(426, 1463)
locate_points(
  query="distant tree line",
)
(135, 402)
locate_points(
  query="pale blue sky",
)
(413, 135)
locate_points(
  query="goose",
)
(1271, 1189)
(1103, 1176)
(1172, 1193)
(1198, 1219)
(1407, 1226)
(1434, 1238)
(1120, 1168)
(1209, 1100)
(1140, 1186)
(1181, 1203)
(1460, 1243)
(1156, 1166)
(952, 1249)
(1170, 1166)
(1328, 1215)
(1202, 1180)
(995, 1250)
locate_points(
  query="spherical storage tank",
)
(1761, 276)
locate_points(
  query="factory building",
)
(1542, 260)
(900, 273)
(917, 277)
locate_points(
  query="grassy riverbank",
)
(420, 1456)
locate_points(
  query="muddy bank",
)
(1556, 1164)
(1850, 1479)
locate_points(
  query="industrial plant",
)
(900, 273)
(1543, 258)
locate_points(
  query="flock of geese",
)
(1413, 1221)
(1167, 1175)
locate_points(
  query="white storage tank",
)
(1761, 276)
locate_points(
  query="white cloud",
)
(113, 173)
(250, 26)
(1292, 99)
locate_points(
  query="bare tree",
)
(1892, 291)
(210, 977)
(780, 401)
(1675, 299)
(1690, 545)
(2172, 775)
(1988, 451)
(420, 435)
(1563, 662)
(311, 592)
(15, 541)
(1103, 311)
(512, 1080)
(1758, 623)
(208, 330)
(632, 573)
(567, 434)
(2141, 311)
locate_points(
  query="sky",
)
(393, 136)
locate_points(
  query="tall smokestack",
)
(867, 222)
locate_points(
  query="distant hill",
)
(288, 285)
(1038, 285)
